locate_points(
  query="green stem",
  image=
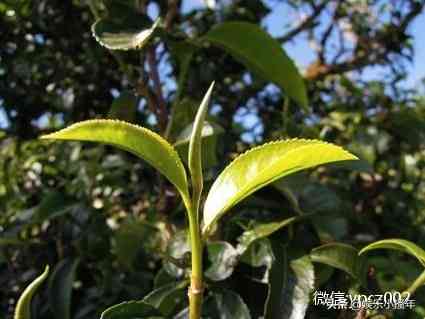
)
(416, 284)
(196, 289)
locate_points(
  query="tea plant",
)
(290, 276)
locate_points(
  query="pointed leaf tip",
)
(195, 147)
(137, 140)
(23, 306)
(262, 165)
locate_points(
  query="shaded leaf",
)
(223, 258)
(340, 256)
(402, 245)
(132, 138)
(210, 134)
(60, 287)
(260, 231)
(131, 310)
(53, 205)
(125, 34)
(225, 304)
(242, 40)
(290, 284)
(124, 107)
(167, 298)
(263, 165)
(23, 306)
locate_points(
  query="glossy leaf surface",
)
(23, 306)
(195, 148)
(402, 245)
(123, 34)
(60, 288)
(223, 258)
(263, 165)
(260, 231)
(132, 138)
(340, 256)
(291, 281)
(258, 51)
(131, 310)
(167, 297)
(225, 304)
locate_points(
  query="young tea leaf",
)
(195, 148)
(402, 245)
(263, 165)
(132, 138)
(258, 51)
(23, 307)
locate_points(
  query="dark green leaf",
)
(131, 310)
(124, 107)
(167, 298)
(340, 256)
(223, 259)
(225, 304)
(258, 51)
(60, 288)
(290, 284)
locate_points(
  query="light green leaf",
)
(258, 51)
(132, 138)
(60, 288)
(23, 307)
(131, 310)
(340, 256)
(402, 245)
(123, 34)
(263, 165)
(195, 149)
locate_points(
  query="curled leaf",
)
(23, 307)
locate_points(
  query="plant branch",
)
(154, 76)
(420, 281)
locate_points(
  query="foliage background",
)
(107, 215)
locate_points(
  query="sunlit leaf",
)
(258, 51)
(340, 256)
(263, 165)
(60, 288)
(123, 34)
(131, 310)
(23, 307)
(132, 138)
(195, 149)
(402, 245)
